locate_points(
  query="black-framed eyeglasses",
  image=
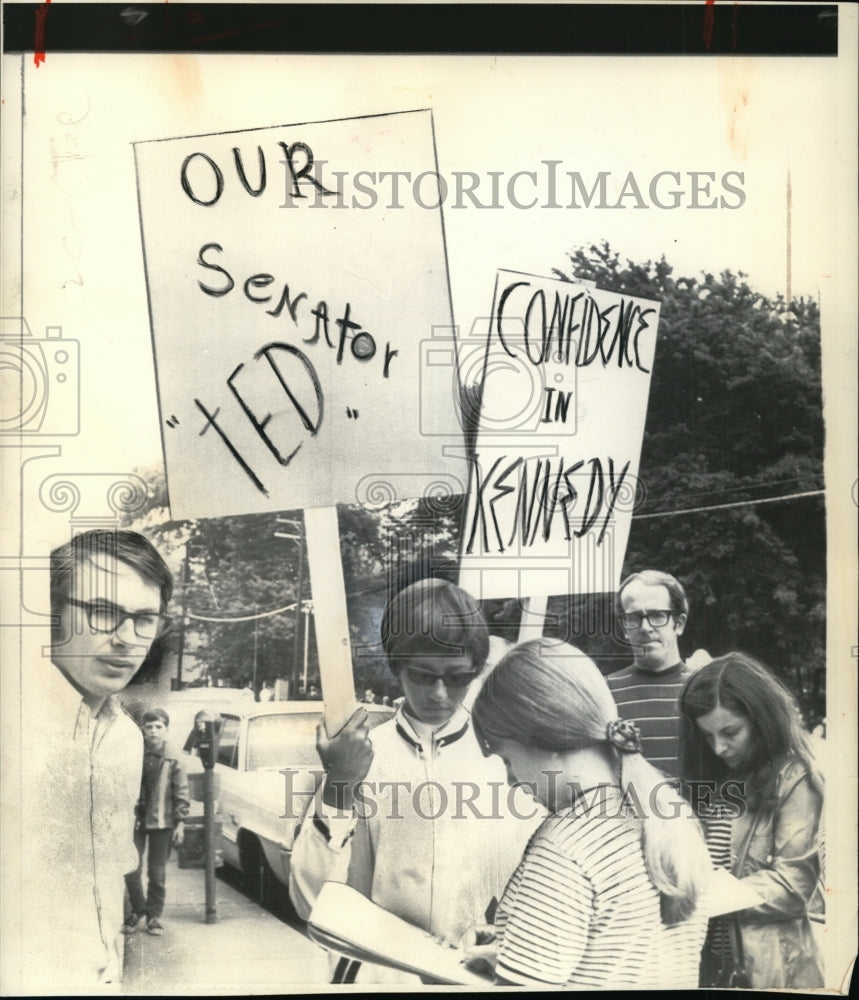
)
(106, 617)
(633, 619)
(426, 678)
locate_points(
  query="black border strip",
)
(633, 29)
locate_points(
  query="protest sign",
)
(566, 374)
(287, 317)
(288, 314)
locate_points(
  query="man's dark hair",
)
(436, 617)
(125, 546)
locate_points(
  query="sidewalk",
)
(246, 951)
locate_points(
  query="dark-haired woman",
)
(740, 724)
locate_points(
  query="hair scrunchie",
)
(624, 735)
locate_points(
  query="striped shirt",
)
(581, 911)
(650, 701)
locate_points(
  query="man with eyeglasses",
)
(412, 814)
(652, 609)
(109, 590)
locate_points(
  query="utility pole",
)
(788, 291)
(255, 651)
(296, 535)
(308, 611)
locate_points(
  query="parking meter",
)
(207, 729)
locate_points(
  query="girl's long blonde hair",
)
(549, 695)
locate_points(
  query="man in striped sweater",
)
(652, 610)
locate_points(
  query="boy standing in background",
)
(161, 811)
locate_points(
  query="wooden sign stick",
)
(330, 617)
(533, 617)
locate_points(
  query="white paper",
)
(344, 919)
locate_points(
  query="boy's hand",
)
(179, 834)
(346, 757)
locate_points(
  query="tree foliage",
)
(734, 418)
(242, 586)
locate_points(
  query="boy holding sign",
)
(397, 815)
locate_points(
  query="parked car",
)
(267, 769)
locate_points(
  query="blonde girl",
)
(606, 893)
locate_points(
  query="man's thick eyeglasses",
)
(426, 678)
(104, 617)
(633, 619)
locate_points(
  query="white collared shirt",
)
(81, 781)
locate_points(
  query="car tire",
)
(261, 883)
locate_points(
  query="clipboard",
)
(346, 921)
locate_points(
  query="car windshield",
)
(281, 740)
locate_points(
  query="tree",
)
(734, 422)
(401, 543)
(242, 584)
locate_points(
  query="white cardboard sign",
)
(289, 307)
(566, 375)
